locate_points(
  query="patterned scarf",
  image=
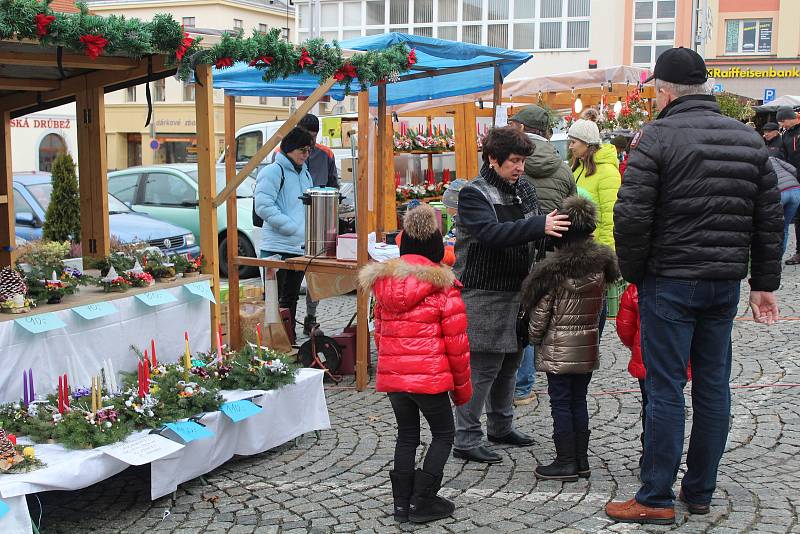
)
(522, 189)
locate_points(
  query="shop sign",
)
(769, 95)
(61, 124)
(746, 72)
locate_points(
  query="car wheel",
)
(245, 249)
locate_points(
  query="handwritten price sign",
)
(157, 298)
(240, 410)
(96, 310)
(201, 289)
(190, 431)
(36, 324)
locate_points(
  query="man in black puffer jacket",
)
(698, 202)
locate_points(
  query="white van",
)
(251, 137)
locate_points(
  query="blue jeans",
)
(682, 317)
(526, 374)
(790, 200)
(568, 402)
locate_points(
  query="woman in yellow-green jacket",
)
(596, 169)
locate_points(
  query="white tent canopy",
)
(531, 86)
(780, 102)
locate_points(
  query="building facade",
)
(563, 35)
(171, 135)
(754, 50)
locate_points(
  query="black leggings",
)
(437, 411)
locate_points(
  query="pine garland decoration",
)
(249, 371)
(94, 35)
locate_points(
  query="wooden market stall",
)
(440, 68)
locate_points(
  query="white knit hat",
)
(585, 131)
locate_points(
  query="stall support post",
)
(204, 109)
(93, 183)
(362, 190)
(382, 177)
(466, 132)
(497, 94)
(7, 219)
(234, 330)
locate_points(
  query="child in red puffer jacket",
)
(628, 328)
(423, 360)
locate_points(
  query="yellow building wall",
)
(789, 29)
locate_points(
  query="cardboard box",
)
(347, 247)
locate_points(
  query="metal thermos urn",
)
(322, 221)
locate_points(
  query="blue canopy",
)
(432, 55)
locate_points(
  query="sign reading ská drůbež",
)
(747, 72)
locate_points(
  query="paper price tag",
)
(4, 509)
(201, 289)
(240, 410)
(36, 324)
(190, 431)
(144, 450)
(96, 310)
(157, 298)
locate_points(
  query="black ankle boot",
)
(563, 467)
(425, 505)
(582, 454)
(402, 488)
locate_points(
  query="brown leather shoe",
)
(696, 509)
(633, 512)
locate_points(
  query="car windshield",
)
(245, 190)
(42, 193)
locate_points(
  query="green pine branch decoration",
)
(96, 35)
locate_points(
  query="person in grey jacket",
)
(552, 179)
(498, 225)
(790, 193)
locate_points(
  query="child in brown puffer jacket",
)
(565, 294)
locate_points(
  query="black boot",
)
(425, 505)
(402, 488)
(563, 467)
(308, 325)
(582, 453)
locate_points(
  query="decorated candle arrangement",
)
(28, 392)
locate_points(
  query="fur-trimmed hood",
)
(573, 262)
(403, 283)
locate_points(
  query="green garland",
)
(79, 429)
(95, 35)
(272, 370)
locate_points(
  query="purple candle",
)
(30, 379)
(25, 388)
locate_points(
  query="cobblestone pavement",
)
(339, 482)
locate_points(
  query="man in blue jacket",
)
(279, 187)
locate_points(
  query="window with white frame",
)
(130, 94)
(188, 22)
(263, 100)
(238, 24)
(653, 30)
(263, 28)
(188, 92)
(520, 24)
(748, 36)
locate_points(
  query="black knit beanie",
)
(421, 234)
(310, 122)
(297, 138)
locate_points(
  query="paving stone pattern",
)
(340, 482)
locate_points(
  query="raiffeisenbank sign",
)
(746, 72)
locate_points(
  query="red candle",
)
(60, 394)
(153, 352)
(141, 378)
(258, 333)
(66, 391)
(146, 375)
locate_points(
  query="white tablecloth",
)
(287, 413)
(80, 348)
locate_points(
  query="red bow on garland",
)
(412, 57)
(305, 59)
(262, 60)
(186, 44)
(224, 62)
(94, 45)
(42, 22)
(346, 71)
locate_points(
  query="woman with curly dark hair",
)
(498, 224)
